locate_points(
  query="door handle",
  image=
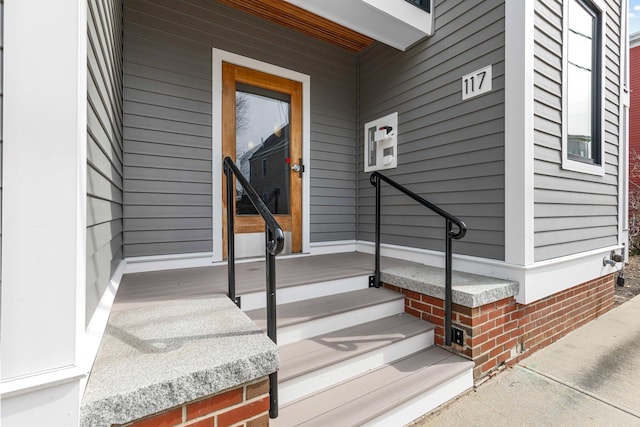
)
(298, 167)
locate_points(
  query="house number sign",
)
(476, 83)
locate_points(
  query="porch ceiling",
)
(294, 17)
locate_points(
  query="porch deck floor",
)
(470, 290)
(167, 285)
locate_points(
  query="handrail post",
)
(448, 286)
(274, 243)
(271, 288)
(272, 329)
(231, 253)
(377, 266)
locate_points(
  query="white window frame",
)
(567, 162)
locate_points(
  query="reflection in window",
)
(583, 83)
(262, 147)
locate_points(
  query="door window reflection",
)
(262, 147)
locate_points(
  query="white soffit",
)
(396, 23)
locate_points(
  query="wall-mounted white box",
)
(381, 143)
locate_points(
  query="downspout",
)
(623, 149)
(358, 146)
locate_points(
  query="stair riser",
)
(312, 328)
(330, 375)
(256, 300)
(426, 402)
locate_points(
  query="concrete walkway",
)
(591, 377)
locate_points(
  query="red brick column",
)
(246, 405)
(504, 332)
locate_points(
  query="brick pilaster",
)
(504, 332)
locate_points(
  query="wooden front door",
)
(262, 133)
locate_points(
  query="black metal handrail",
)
(274, 242)
(450, 235)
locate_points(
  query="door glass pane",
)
(262, 147)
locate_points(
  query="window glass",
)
(582, 84)
(422, 4)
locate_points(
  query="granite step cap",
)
(469, 290)
(163, 354)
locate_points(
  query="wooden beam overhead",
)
(296, 18)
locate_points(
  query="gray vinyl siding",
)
(574, 212)
(167, 121)
(450, 151)
(104, 147)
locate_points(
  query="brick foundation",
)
(243, 406)
(504, 332)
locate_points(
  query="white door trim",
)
(218, 56)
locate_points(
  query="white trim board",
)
(40, 381)
(144, 264)
(519, 106)
(218, 56)
(44, 248)
(167, 262)
(98, 323)
(44, 211)
(395, 23)
(340, 246)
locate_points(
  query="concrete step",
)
(392, 395)
(308, 318)
(312, 364)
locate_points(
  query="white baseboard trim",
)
(98, 323)
(549, 277)
(537, 280)
(167, 262)
(465, 263)
(40, 381)
(338, 246)
(205, 259)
